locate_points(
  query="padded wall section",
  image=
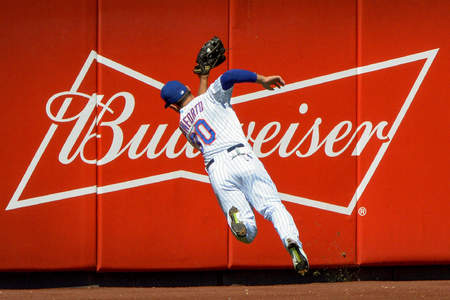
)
(168, 218)
(97, 175)
(44, 46)
(406, 203)
(302, 136)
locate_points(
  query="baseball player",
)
(237, 176)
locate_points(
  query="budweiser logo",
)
(283, 140)
(121, 145)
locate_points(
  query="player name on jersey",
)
(190, 116)
(289, 142)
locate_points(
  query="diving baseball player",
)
(237, 176)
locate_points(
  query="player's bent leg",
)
(230, 197)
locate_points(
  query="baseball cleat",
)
(299, 258)
(237, 227)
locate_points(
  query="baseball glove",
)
(210, 56)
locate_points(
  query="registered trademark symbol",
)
(362, 211)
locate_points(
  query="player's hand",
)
(270, 82)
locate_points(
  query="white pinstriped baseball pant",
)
(239, 179)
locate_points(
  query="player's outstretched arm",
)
(270, 82)
(229, 78)
(203, 86)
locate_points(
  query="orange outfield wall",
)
(359, 155)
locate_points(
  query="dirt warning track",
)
(343, 290)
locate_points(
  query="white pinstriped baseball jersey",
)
(209, 122)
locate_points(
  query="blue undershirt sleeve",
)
(229, 78)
